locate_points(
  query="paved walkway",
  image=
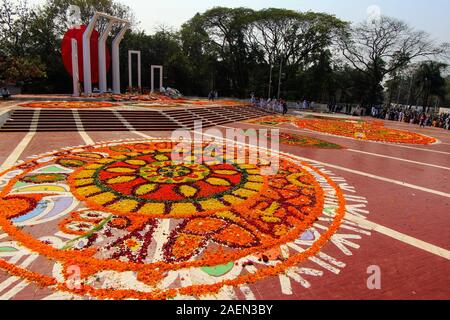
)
(398, 202)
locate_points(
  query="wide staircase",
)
(21, 120)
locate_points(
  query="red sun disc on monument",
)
(66, 52)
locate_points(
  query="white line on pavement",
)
(400, 236)
(376, 227)
(389, 157)
(369, 175)
(363, 222)
(17, 152)
(399, 159)
(123, 120)
(348, 138)
(86, 138)
(365, 174)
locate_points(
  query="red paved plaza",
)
(385, 208)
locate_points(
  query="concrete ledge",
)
(4, 116)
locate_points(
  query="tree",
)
(15, 27)
(225, 29)
(418, 83)
(56, 13)
(291, 39)
(299, 38)
(18, 70)
(201, 57)
(429, 81)
(382, 47)
(18, 63)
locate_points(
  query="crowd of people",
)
(274, 104)
(423, 118)
(412, 115)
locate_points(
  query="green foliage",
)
(420, 84)
(235, 51)
(242, 47)
(20, 69)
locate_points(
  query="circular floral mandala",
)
(364, 130)
(134, 223)
(69, 104)
(149, 183)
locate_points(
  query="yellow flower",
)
(136, 162)
(87, 191)
(121, 179)
(211, 204)
(183, 208)
(255, 178)
(83, 182)
(121, 170)
(103, 198)
(227, 215)
(85, 174)
(144, 189)
(124, 205)
(218, 182)
(188, 191)
(253, 186)
(161, 157)
(244, 193)
(152, 208)
(226, 172)
(232, 199)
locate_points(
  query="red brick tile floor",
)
(406, 190)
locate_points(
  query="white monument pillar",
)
(102, 54)
(152, 77)
(130, 64)
(75, 71)
(116, 57)
(102, 81)
(87, 55)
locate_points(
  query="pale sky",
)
(432, 16)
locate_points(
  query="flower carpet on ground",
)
(272, 120)
(356, 129)
(364, 130)
(305, 141)
(138, 101)
(293, 139)
(69, 104)
(160, 100)
(133, 223)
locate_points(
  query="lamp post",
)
(279, 77)
(410, 89)
(270, 80)
(427, 92)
